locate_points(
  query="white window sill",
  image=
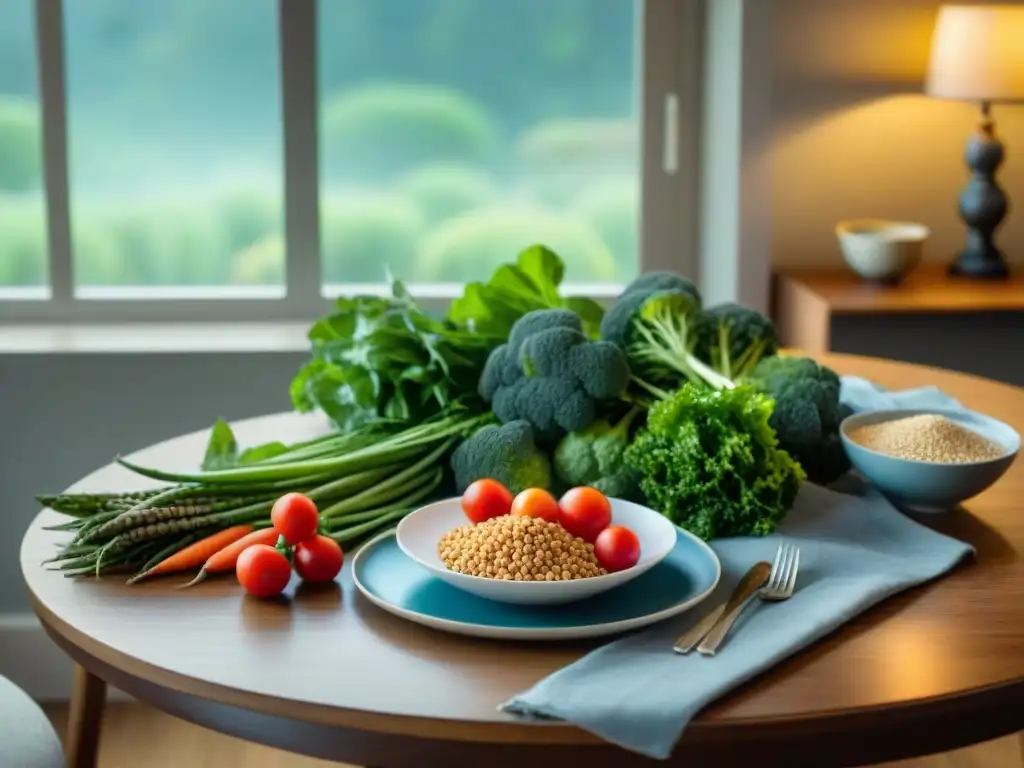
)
(136, 338)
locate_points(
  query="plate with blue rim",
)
(393, 581)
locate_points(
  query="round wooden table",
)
(332, 676)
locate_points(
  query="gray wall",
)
(65, 415)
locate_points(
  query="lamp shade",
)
(977, 53)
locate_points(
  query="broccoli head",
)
(807, 413)
(732, 338)
(594, 457)
(657, 322)
(551, 375)
(506, 453)
(617, 324)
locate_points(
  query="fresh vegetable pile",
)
(687, 408)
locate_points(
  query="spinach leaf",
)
(222, 448)
(514, 289)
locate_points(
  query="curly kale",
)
(807, 413)
(551, 375)
(710, 462)
(506, 453)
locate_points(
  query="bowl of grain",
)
(439, 535)
(929, 460)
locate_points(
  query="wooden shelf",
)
(806, 301)
(927, 289)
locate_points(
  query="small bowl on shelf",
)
(930, 486)
(881, 250)
(418, 535)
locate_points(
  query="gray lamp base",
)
(983, 205)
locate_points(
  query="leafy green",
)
(531, 283)
(387, 358)
(222, 448)
(709, 461)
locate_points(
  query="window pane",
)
(22, 206)
(175, 142)
(456, 132)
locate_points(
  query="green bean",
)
(396, 448)
(388, 489)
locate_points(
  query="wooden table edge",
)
(969, 716)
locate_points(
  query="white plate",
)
(419, 533)
(389, 579)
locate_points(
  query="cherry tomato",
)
(485, 499)
(584, 512)
(536, 502)
(295, 517)
(318, 559)
(617, 548)
(263, 570)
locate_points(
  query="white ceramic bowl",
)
(419, 533)
(878, 249)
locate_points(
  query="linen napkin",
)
(854, 552)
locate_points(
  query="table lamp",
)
(977, 54)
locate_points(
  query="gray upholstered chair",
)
(27, 740)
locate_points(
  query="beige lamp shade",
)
(977, 53)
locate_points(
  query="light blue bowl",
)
(924, 486)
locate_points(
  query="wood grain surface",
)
(926, 289)
(932, 669)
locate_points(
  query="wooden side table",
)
(930, 319)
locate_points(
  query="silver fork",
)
(780, 586)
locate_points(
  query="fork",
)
(780, 586)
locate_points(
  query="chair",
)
(27, 740)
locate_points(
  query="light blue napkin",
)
(854, 552)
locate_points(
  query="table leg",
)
(88, 696)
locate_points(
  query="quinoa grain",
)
(518, 548)
(927, 437)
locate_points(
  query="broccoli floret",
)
(616, 326)
(807, 413)
(506, 453)
(732, 338)
(657, 322)
(594, 457)
(551, 375)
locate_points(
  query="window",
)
(244, 159)
(22, 209)
(174, 136)
(454, 133)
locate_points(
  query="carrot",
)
(195, 554)
(225, 559)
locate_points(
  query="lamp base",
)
(977, 264)
(983, 205)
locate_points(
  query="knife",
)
(747, 586)
(746, 589)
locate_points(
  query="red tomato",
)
(617, 548)
(318, 559)
(263, 570)
(585, 512)
(536, 502)
(485, 499)
(295, 517)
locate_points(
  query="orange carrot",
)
(195, 554)
(225, 559)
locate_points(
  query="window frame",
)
(668, 73)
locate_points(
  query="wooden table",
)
(930, 318)
(329, 675)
